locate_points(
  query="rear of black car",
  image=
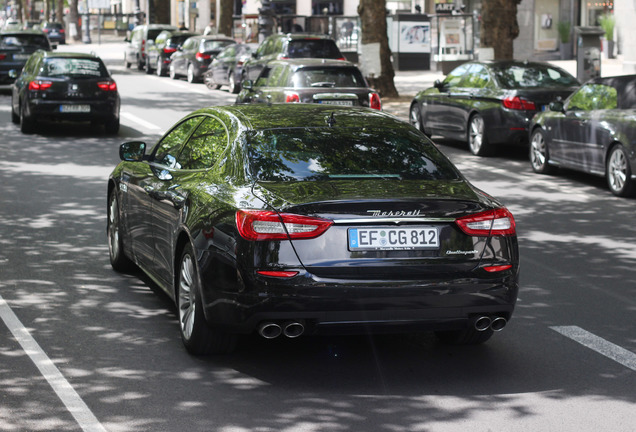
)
(365, 229)
(15, 50)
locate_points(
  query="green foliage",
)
(608, 22)
(564, 31)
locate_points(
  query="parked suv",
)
(290, 46)
(136, 44)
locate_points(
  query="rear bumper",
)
(100, 110)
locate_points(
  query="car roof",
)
(311, 62)
(286, 116)
(23, 32)
(58, 54)
(302, 36)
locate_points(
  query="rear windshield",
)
(533, 76)
(345, 153)
(214, 45)
(24, 40)
(328, 77)
(55, 67)
(316, 48)
(53, 26)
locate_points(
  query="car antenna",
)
(331, 120)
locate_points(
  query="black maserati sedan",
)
(489, 103)
(593, 131)
(290, 220)
(65, 86)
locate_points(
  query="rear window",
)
(152, 34)
(313, 48)
(53, 26)
(345, 153)
(533, 76)
(214, 45)
(25, 40)
(55, 67)
(328, 77)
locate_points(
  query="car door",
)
(473, 94)
(222, 63)
(437, 113)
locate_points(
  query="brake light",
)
(61, 30)
(498, 222)
(292, 98)
(202, 56)
(517, 103)
(374, 101)
(169, 50)
(40, 85)
(269, 225)
(107, 85)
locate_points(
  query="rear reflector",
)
(277, 274)
(269, 225)
(498, 222)
(499, 268)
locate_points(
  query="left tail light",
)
(292, 98)
(520, 104)
(40, 85)
(202, 56)
(107, 85)
(374, 101)
(497, 222)
(269, 225)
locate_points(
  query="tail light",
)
(107, 85)
(202, 56)
(3, 56)
(143, 46)
(374, 101)
(498, 222)
(282, 57)
(40, 85)
(517, 103)
(292, 98)
(269, 225)
(341, 58)
(61, 30)
(169, 50)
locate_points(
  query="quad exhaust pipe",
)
(290, 329)
(483, 323)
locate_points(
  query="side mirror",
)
(438, 84)
(557, 106)
(132, 151)
(255, 55)
(247, 84)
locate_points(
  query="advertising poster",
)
(415, 37)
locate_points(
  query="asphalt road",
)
(85, 348)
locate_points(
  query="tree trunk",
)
(73, 21)
(374, 31)
(226, 10)
(59, 12)
(499, 26)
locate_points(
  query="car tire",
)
(160, 71)
(539, 155)
(619, 172)
(173, 72)
(476, 135)
(192, 78)
(126, 62)
(111, 127)
(140, 64)
(27, 123)
(235, 87)
(198, 337)
(149, 69)
(15, 117)
(468, 336)
(118, 259)
(415, 117)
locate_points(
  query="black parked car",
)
(318, 81)
(159, 52)
(137, 43)
(594, 131)
(55, 32)
(290, 46)
(306, 219)
(489, 103)
(15, 49)
(226, 68)
(65, 86)
(196, 54)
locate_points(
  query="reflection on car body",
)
(594, 131)
(308, 219)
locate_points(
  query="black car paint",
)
(227, 67)
(163, 209)
(187, 58)
(161, 49)
(13, 57)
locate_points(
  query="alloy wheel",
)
(187, 303)
(476, 135)
(619, 173)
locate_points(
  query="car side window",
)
(205, 145)
(166, 150)
(455, 76)
(477, 77)
(276, 76)
(594, 97)
(263, 78)
(263, 49)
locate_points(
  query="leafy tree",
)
(499, 26)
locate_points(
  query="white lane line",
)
(139, 120)
(69, 397)
(598, 344)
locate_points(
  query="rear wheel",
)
(111, 127)
(27, 124)
(148, 66)
(118, 259)
(140, 64)
(192, 78)
(173, 72)
(235, 87)
(619, 172)
(477, 142)
(160, 71)
(15, 117)
(197, 336)
(539, 153)
(415, 117)
(469, 336)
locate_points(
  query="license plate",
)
(21, 56)
(337, 102)
(75, 108)
(404, 238)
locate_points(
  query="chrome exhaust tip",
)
(482, 323)
(293, 329)
(498, 324)
(269, 330)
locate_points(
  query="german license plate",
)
(403, 238)
(75, 108)
(337, 102)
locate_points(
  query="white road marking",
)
(139, 120)
(598, 344)
(69, 397)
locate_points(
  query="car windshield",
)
(32, 40)
(214, 45)
(533, 76)
(328, 77)
(345, 153)
(316, 48)
(54, 67)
